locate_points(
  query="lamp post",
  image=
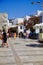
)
(42, 12)
(42, 7)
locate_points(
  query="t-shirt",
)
(4, 36)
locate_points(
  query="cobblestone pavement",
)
(22, 52)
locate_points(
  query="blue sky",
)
(19, 8)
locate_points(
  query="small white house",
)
(39, 12)
(19, 22)
(40, 28)
(27, 18)
(3, 19)
(20, 28)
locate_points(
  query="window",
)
(40, 30)
(20, 27)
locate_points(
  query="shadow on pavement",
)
(0, 46)
(35, 45)
(16, 43)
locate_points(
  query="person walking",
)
(14, 35)
(4, 39)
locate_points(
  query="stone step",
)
(33, 64)
(31, 58)
(21, 47)
(5, 49)
(6, 53)
(8, 64)
(7, 60)
(29, 53)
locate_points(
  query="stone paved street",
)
(21, 52)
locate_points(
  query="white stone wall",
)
(3, 19)
(27, 18)
(20, 30)
(18, 20)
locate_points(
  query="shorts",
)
(4, 41)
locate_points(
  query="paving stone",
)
(5, 49)
(28, 53)
(7, 60)
(33, 64)
(28, 48)
(28, 64)
(8, 64)
(11, 64)
(31, 58)
(5, 54)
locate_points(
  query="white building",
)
(3, 19)
(19, 22)
(39, 13)
(27, 18)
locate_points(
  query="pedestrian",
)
(14, 35)
(4, 38)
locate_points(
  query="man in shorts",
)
(4, 39)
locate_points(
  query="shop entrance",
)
(13, 30)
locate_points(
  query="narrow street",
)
(21, 52)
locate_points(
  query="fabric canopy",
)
(38, 25)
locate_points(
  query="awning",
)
(38, 25)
